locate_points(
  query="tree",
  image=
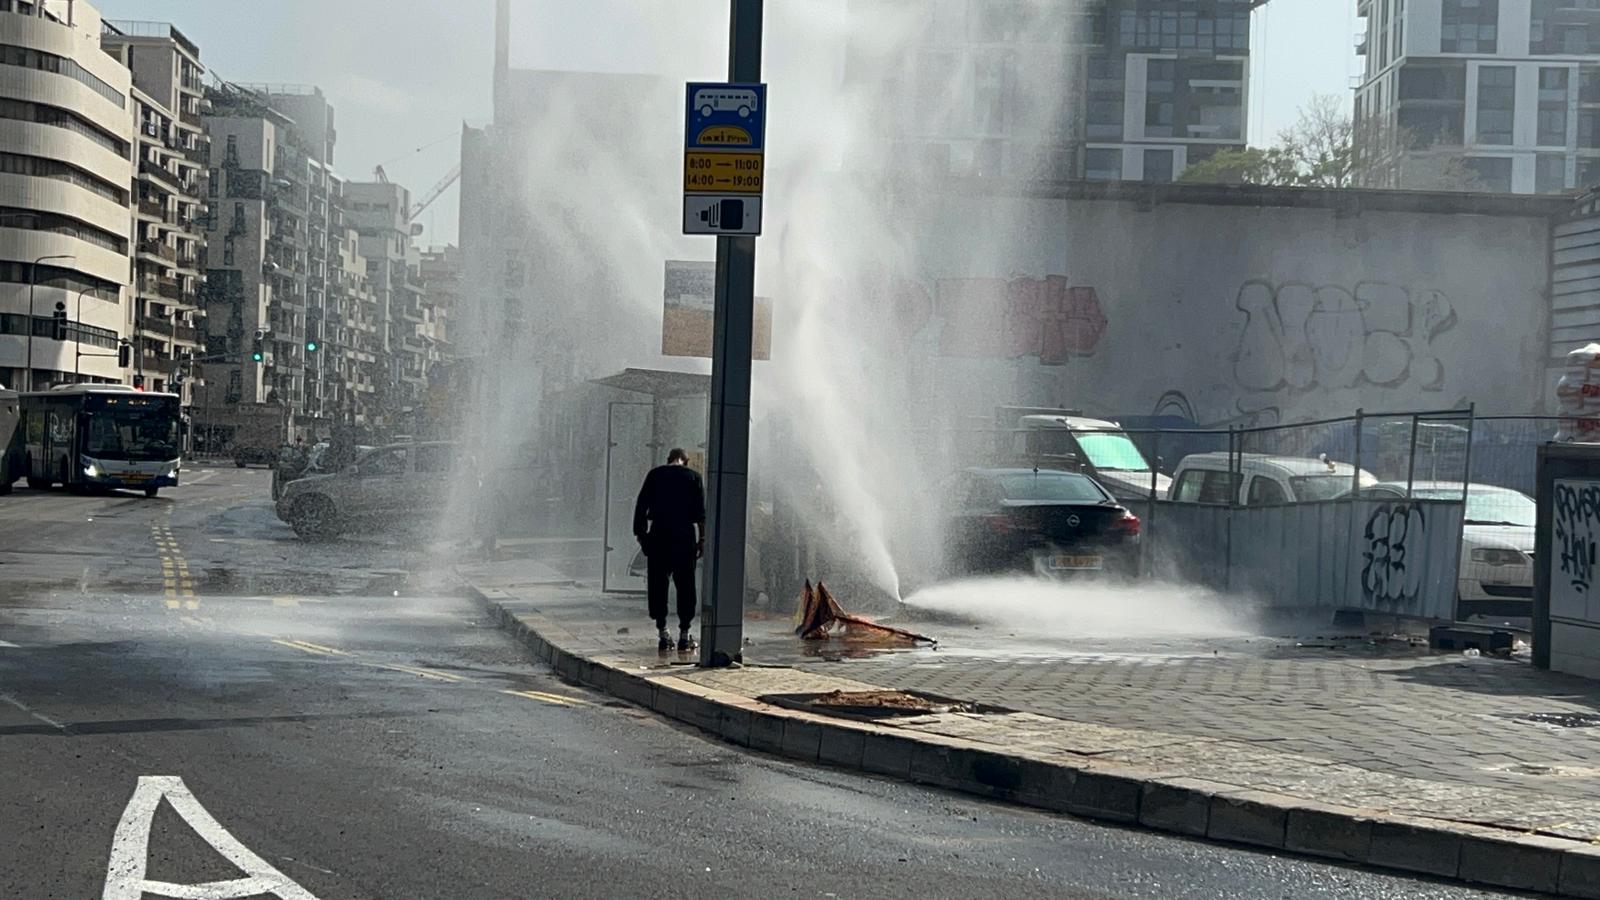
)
(1325, 149)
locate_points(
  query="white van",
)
(1261, 480)
(1095, 447)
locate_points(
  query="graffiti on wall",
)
(1577, 525)
(1391, 570)
(1297, 337)
(998, 318)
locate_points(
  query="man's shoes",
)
(686, 643)
(665, 643)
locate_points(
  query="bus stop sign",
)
(724, 158)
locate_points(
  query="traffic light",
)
(124, 354)
(257, 351)
(138, 382)
(311, 346)
(60, 322)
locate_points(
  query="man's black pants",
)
(678, 566)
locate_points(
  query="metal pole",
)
(77, 344)
(728, 450)
(33, 280)
(1355, 476)
(1411, 467)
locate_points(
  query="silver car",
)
(393, 485)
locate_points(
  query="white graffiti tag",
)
(1297, 337)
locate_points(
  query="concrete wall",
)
(1230, 313)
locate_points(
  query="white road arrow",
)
(130, 850)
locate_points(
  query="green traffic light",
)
(311, 346)
(257, 356)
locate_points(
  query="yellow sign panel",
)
(727, 135)
(722, 172)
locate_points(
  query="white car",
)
(394, 485)
(1255, 479)
(1496, 577)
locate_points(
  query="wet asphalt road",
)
(351, 722)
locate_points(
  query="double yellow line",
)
(175, 577)
(421, 672)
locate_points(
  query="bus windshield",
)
(132, 435)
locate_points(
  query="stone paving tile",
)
(1428, 735)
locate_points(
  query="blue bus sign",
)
(725, 117)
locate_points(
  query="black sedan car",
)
(1043, 521)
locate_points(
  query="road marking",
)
(8, 645)
(543, 697)
(308, 647)
(174, 604)
(191, 604)
(38, 716)
(130, 850)
(414, 670)
(294, 601)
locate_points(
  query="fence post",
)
(1411, 464)
(1355, 477)
(1147, 548)
(1234, 464)
(1466, 483)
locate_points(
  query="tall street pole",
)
(33, 280)
(728, 452)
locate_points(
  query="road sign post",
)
(723, 177)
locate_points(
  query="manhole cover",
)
(1564, 720)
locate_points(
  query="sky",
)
(403, 75)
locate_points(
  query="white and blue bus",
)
(102, 436)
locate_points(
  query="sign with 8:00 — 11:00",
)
(724, 164)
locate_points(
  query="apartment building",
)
(1105, 89)
(1510, 88)
(259, 234)
(166, 319)
(379, 211)
(66, 167)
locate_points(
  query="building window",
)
(1562, 28)
(28, 58)
(1552, 107)
(227, 250)
(1588, 172)
(213, 184)
(1103, 164)
(23, 111)
(231, 154)
(1469, 26)
(1496, 104)
(1493, 171)
(1160, 97)
(1106, 98)
(1158, 166)
(1549, 173)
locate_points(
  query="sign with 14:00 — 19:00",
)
(724, 169)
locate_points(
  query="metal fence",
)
(1383, 511)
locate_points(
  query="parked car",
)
(1496, 573)
(1037, 520)
(393, 485)
(1094, 447)
(1255, 479)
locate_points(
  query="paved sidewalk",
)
(1442, 739)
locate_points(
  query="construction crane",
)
(434, 192)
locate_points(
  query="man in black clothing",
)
(669, 520)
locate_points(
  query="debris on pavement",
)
(821, 618)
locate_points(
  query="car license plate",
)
(134, 476)
(1075, 561)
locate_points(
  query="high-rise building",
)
(66, 167)
(378, 212)
(166, 318)
(1101, 89)
(1508, 90)
(268, 194)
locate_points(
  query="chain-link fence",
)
(1406, 512)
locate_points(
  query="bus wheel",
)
(38, 484)
(151, 492)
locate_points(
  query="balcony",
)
(159, 248)
(187, 334)
(155, 325)
(164, 175)
(191, 119)
(151, 206)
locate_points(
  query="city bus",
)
(101, 436)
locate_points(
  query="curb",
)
(1085, 787)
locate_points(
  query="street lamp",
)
(33, 280)
(77, 343)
